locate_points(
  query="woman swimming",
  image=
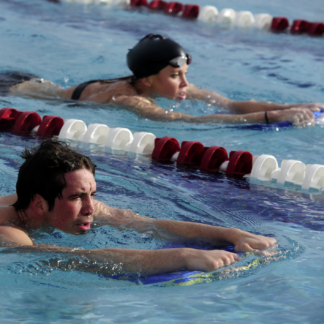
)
(159, 67)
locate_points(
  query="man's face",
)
(73, 213)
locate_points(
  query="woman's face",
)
(170, 82)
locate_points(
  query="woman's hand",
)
(297, 116)
(316, 107)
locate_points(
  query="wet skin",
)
(74, 212)
(170, 83)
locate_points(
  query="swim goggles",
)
(180, 61)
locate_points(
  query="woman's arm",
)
(247, 111)
(39, 88)
(244, 107)
(144, 107)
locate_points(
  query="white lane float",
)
(96, 134)
(208, 14)
(263, 167)
(73, 129)
(244, 19)
(263, 21)
(119, 138)
(314, 177)
(143, 143)
(291, 171)
(226, 16)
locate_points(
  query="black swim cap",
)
(152, 54)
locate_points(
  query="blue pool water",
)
(70, 43)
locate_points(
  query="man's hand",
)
(248, 242)
(200, 260)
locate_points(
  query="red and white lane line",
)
(242, 19)
(167, 149)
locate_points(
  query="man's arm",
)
(179, 230)
(108, 261)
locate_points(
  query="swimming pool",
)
(70, 43)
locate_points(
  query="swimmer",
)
(159, 66)
(56, 189)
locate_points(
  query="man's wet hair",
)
(44, 169)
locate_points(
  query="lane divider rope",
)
(227, 16)
(190, 154)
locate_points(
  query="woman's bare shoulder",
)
(105, 92)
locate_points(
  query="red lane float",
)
(300, 26)
(50, 126)
(213, 158)
(165, 148)
(316, 29)
(26, 121)
(8, 118)
(190, 154)
(173, 8)
(190, 11)
(240, 163)
(157, 5)
(279, 24)
(138, 3)
(304, 26)
(208, 159)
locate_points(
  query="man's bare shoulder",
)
(11, 236)
(8, 215)
(115, 215)
(8, 200)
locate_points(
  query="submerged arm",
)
(244, 107)
(179, 230)
(115, 261)
(146, 108)
(106, 261)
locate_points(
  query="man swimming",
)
(56, 188)
(159, 67)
